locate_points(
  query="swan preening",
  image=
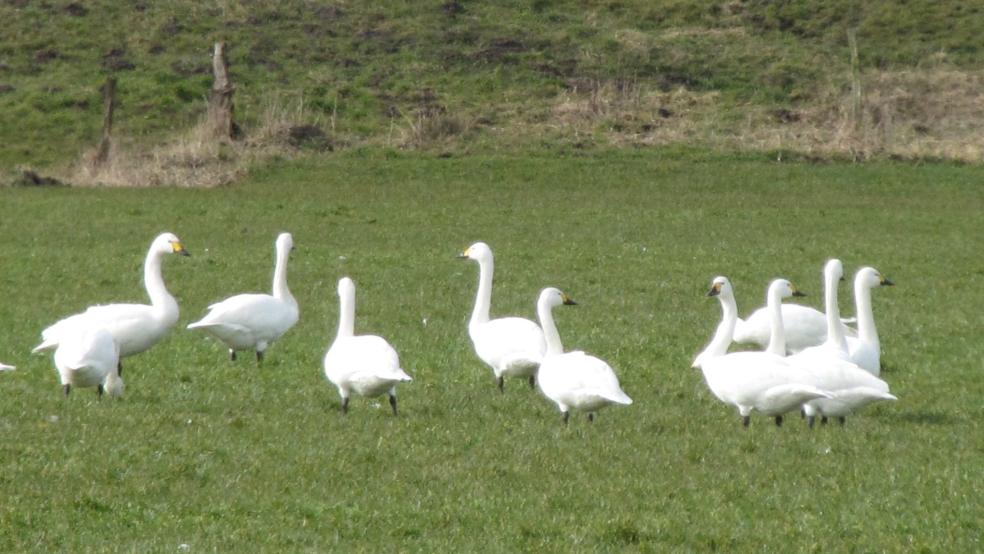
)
(511, 346)
(89, 358)
(755, 380)
(254, 321)
(134, 327)
(573, 380)
(364, 364)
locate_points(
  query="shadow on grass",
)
(927, 418)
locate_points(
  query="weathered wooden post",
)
(220, 121)
(109, 105)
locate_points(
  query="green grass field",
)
(231, 457)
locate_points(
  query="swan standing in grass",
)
(89, 358)
(364, 364)
(511, 346)
(832, 367)
(134, 327)
(754, 381)
(865, 350)
(573, 380)
(254, 321)
(805, 327)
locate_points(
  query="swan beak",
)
(462, 255)
(798, 293)
(568, 301)
(715, 290)
(179, 248)
(886, 283)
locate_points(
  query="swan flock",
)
(811, 361)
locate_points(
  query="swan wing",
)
(580, 377)
(509, 343)
(363, 354)
(245, 319)
(123, 321)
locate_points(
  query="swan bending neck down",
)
(254, 321)
(134, 327)
(364, 364)
(89, 358)
(753, 381)
(573, 380)
(511, 346)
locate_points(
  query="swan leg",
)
(500, 381)
(99, 391)
(232, 355)
(842, 420)
(590, 417)
(567, 416)
(809, 421)
(259, 356)
(823, 420)
(393, 402)
(345, 405)
(532, 381)
(119, 368)
(802, 413)
(745, 420)
(778, 421)
(67, 389)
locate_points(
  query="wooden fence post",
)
(109, 105)
(220, 121)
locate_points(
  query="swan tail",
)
(797, 393)
(45, 346)
(5, 367)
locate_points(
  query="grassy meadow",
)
(204, 454)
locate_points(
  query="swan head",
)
(721, 286)
(551, 297)
(834, 269)
(168, 243)
(346, 287)
(871, 278)
(479, 252)
(782, 288)
(285, 242)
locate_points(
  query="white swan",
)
(835, 343)
(573, 380)
(865, 350)
(754, 381)
(364, 364)
(89, 358)
(135, 327)
(804, 326)
(254, 321)
(5, 367)
(511, 346)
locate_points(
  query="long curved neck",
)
(726, 329)
(550, 334)
(484, 297)
(280, 289)
(346, 315)
(160, 299)
(866, 319)
(835, 331)
(777, 342)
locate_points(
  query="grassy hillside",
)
(231, 457)
(467, 76)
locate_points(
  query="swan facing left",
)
(134, 327)
(254, 321)
(364, 364)
(89, 358)
(573, 380)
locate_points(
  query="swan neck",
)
(777, 341)
(866, 318)
(726, 329)
(835, 330)
(483, 299)
(550, 334)
(346, 314)
(160, 299)
(280, 290)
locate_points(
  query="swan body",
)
(365, 364)
(865, 349)
(134, 327)
(573, 380)
(763, 382)
(804, 327)
(254, 321)
(89, 358)
(511, 346)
